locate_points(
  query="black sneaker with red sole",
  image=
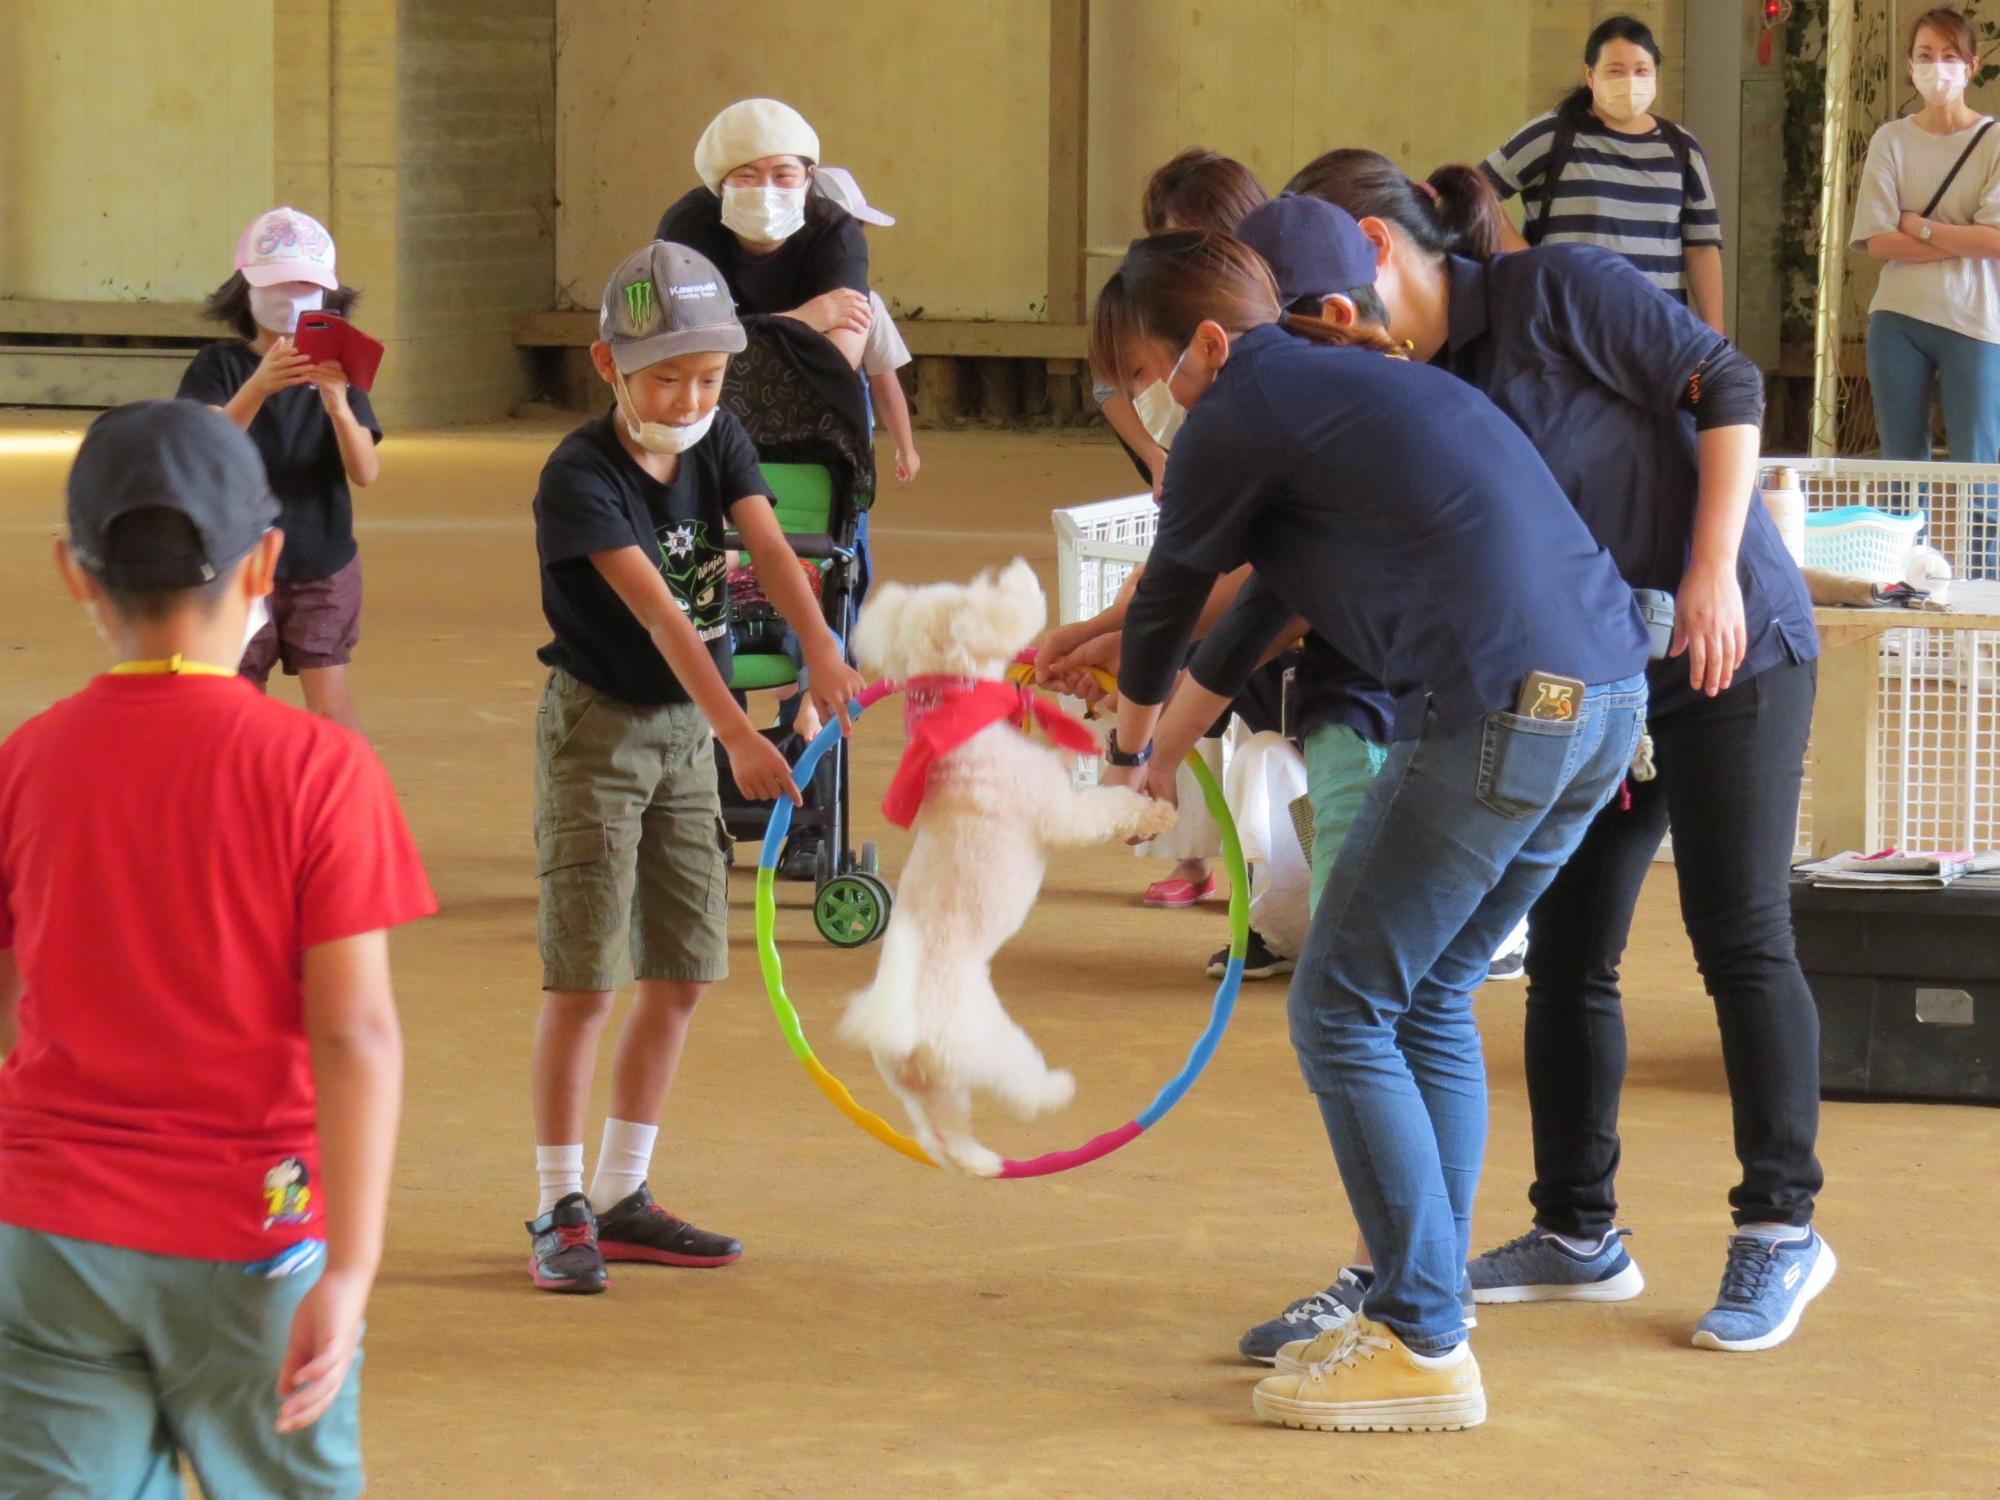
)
(637, 1228)
(566, 1257)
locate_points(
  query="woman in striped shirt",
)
(1600, 170)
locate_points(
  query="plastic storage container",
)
(1908, 986)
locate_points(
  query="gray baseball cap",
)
(173, 455)
(666, 300)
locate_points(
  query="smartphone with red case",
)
(322, 336)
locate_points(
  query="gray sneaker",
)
(1765, 1286)
(1306, 1318)
(1539, 1267)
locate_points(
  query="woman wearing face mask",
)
(317, 436)
(1197, 189)
(784, 249)
(1929, 207)
(1650, 421)
(1414, 528)
(1601, 169)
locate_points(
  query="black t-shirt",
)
(301, 456)
(594, 498)
(828, 253)
(1593, 364)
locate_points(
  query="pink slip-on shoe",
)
(1179, 892)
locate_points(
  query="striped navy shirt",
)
(1623, 192)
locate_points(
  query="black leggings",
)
(1728, 786)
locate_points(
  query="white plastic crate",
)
(1097, 547)
(1961, 502)
(1862, 542)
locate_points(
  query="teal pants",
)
(1340, 766)
(115, 1363)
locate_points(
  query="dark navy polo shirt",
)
(1407, 519)
(1592, 362)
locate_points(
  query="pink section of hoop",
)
(1062, 1161)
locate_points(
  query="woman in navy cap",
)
(1651, 422)
(1415, 529)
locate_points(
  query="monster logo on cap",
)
(639, 303)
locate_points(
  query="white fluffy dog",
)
(992, 810)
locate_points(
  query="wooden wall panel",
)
(940, 110)
(136, 141)
(1276, 82)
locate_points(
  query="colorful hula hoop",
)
(1054, 1161)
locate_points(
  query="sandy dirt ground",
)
(894, 1332)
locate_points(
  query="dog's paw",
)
(970, 1156)
(1154, 819)
(1058, 1089)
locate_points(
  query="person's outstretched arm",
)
(895, 409)
(357, 1063)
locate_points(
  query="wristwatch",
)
(1924, 231)
(1113, 756)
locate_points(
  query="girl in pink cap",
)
(317, 436)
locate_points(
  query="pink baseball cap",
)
(838, 184)
(286, 245)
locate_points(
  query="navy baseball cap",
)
(1313, 248)
(171, 455)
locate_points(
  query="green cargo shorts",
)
(1340, 767)
(114, 1363)
(629, 842)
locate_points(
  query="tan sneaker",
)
(1367, 1380)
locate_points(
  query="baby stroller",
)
(802, 406)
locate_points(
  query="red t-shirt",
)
(169, 848)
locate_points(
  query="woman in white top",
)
(1929, 207)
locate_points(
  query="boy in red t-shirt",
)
(202, 1063)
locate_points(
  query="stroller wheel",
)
(852, 910)
(870, 862)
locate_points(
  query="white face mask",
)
(1623, 99)
(1159, 411)
(765, 214)
(277, 307)
(1939, 82)
(660, 437)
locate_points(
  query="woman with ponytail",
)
(1412, 526)
(1602, 169)
(1650, 421)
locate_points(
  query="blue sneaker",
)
(1765, 1286)
(1306, 1318)
(1539, 1267)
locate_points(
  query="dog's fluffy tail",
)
(883, 1017)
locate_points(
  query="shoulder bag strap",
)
(1951, 176)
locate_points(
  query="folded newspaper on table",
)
(1897, 869)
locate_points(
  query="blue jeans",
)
(1909, 362)
(1460, 833)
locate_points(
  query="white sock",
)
(1457, 1354)
(1777, 1234)
(621, 1162)
(559, 1169)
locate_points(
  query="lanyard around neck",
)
(173, 666)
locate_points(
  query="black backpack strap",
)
(1553, 166)
(1678, 141)
(1952, 176)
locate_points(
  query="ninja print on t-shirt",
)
(697, 573)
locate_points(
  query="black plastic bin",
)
(1908, 985)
